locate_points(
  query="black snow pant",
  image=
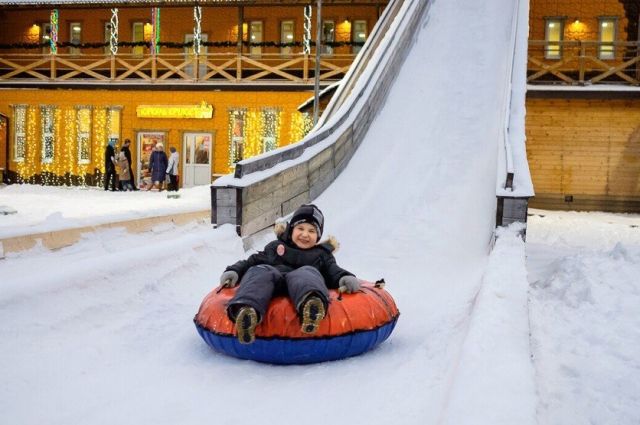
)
(110, 177)
(261, 283)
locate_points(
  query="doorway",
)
(146, 142)
(196, 162)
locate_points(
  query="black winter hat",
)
(307, 213)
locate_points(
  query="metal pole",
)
(316, 88)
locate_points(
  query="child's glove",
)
(229, 279)
(349, 283)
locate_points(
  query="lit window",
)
(20, 132)
(48, 133)
(75, 31)
(553, 35)
(606, 37)
(286, 36)
(83, 134)
(270, 129)
(328, 36)
(255, 31)
(359, 34)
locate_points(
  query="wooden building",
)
(219, 80)
(583, 104)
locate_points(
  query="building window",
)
(20, 132)
(606, 37)
(255, 36)
(286, 36)
(45, 37)
(553, 36)
(137, 36)
(75, 37)
(83, 134)
(328, 36)
(359, 34)
(270, 128)
(237, 121)
(48, 133)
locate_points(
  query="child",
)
(123, 172)
(296, 264)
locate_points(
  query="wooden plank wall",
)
(584, 153)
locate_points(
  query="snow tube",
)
(354, 323)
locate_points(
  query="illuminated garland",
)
(53, 40)
(237, 120)
(197, 29)
(155, 30)
(253, 134)
(100, 141)
(301, 124)
(113, 32)
(306, 40)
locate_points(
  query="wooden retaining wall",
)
(584, 150)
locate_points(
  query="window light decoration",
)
(20, 132)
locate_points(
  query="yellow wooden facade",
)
(124, 103)
(69, 86)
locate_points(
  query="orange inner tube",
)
(367, 309)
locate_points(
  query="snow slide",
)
(108, 337)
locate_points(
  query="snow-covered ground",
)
(43, 209)
(101, 332)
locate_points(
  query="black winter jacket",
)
(285, 257)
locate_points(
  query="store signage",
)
(203, 110)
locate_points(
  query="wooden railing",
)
(583, 63)
(170, 68)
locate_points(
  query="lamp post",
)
(316, 88)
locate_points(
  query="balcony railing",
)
(583, 63)
(170, 68)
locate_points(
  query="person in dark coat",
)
(110, 165)
(295, 264)
(158, 166)
(127, 154)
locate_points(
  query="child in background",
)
(295, 264)
(123, 171)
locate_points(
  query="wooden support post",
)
(53, 67)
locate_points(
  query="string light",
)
(301, 124)
(53, 40)
(306, 40)
(197, 30)
(113, 32)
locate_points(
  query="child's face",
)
(304, 235)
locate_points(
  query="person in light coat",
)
(172, 170)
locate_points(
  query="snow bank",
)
(494, 382)
(585, 325)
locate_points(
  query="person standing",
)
(172, 170)
(110, 165)
(127, 154)
(158, 166)
(123, 171)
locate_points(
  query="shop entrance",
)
(146, 142)
(196, 163)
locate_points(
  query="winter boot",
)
(312, 314)
(246, 322)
